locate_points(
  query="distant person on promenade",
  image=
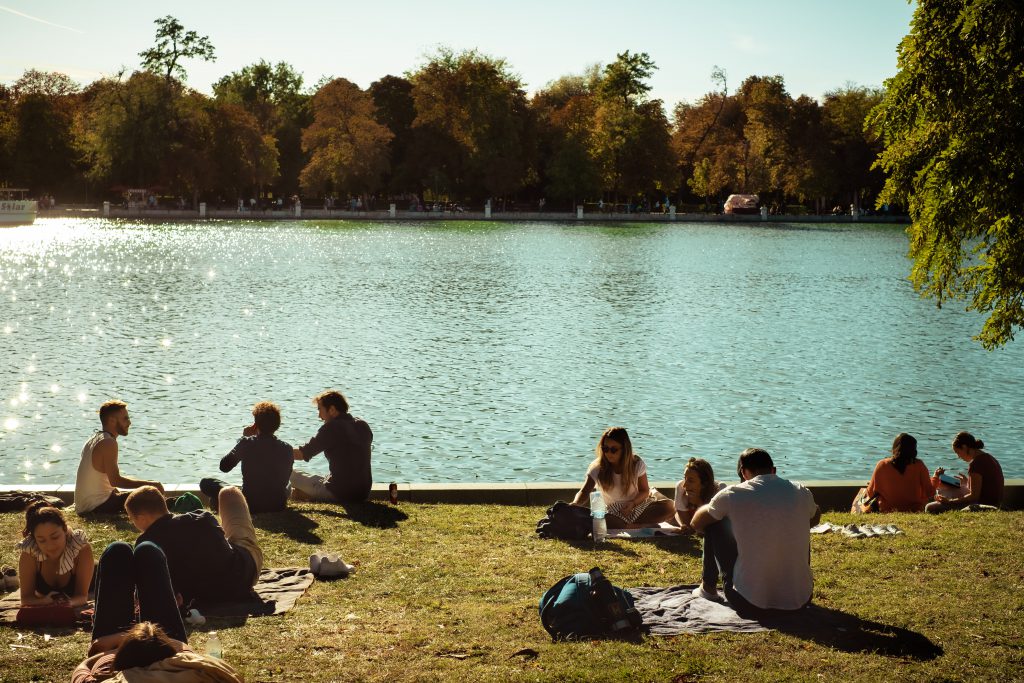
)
(621, 477)
(984, 480)
(98, 472)
(764, 552)
(345, 441)
(155, 647)
(206, 560)
(901, 482)
(266, 463)
(55, 565)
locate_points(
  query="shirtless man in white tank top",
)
(98, 473)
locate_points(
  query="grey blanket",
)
(674, 610)
(275, 593)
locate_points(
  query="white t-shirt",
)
(682, 503)
(771, 522)
(618, 492)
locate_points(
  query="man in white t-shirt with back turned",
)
(760, 533)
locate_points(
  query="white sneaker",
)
(332, 566)
(699, 592)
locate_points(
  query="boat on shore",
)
(16, 208)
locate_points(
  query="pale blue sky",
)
(816, 45)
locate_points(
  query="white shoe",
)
(699, 592)
(332, 566)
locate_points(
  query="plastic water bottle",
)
(597, 511)
(213, 646)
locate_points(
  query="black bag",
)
(566, 521)
(587, 605)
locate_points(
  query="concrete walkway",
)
(832, 496)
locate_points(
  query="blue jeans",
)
(123, 571)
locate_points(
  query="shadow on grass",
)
(370, 513)
(849, 633)
(290, 523)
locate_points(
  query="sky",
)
(815, 45)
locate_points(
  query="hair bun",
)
(978, 443)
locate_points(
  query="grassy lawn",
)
(449, 592)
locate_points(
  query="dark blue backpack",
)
(587, 605)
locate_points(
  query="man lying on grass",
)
(206, 561)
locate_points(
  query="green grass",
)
(449, 592)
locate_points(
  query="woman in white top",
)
(621, 477)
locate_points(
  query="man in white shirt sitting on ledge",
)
(98, 473)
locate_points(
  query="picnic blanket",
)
(663, 529)
(11, 603)
(858, 530)
(275, 593)
(674, 610)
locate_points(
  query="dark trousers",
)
(123, 571)
(719, 556)
(113, 505)
(211, 487)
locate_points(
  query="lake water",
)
(489, 352)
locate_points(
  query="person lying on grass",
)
(55, 565)
(155, 648)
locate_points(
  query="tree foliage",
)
(174, 43)
(951, 125)
(473, 126)
(273, 95)
(348, 148)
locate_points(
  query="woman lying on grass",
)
(56, 561)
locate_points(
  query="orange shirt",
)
(907, 492)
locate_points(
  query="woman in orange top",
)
(902, 482)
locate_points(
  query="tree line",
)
(458, 127)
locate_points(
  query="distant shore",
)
(406, 216)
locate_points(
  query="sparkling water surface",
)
(489, 351)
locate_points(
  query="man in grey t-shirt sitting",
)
(759, 533)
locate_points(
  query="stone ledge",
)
(832, 496)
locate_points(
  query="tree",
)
(951, 124)
(854, 148)
(624, 79)
(396, 109)
(36, 132)
(474, 133)
(273, 94)
(630, 140)
(174, 43)
(348, 148)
